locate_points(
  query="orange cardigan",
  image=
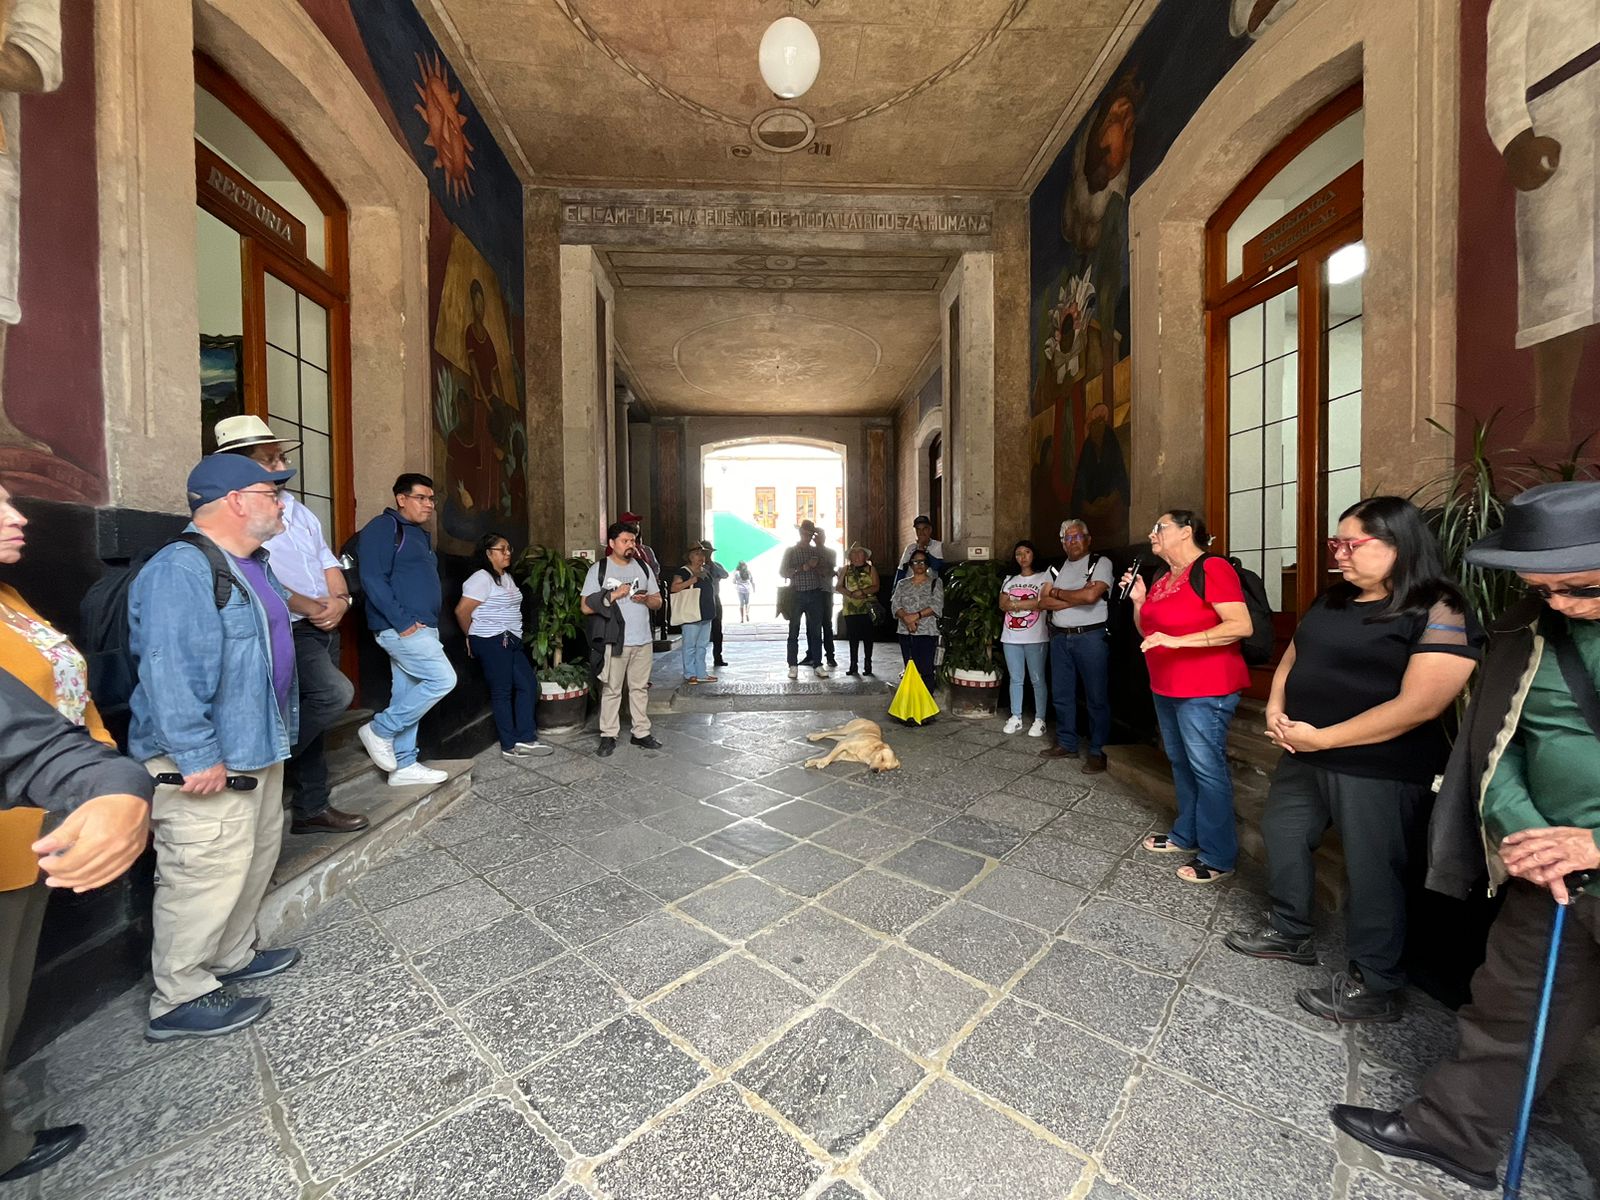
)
(20, 659)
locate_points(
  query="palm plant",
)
(555, 584)
(971, 623)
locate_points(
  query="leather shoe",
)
(1057, 751)
(647, 742)
(330, 820)
(1347, 1000)
(1267, 942)
(50, 1146)
(1387, 1133)
(608, 746)
(1095, 764)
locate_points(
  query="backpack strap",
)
(1197, 574)
(222, 577)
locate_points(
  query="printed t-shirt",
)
(1172, 607)
(1029, 626)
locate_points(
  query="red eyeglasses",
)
(1348, 545)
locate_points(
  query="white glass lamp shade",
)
(790, 57)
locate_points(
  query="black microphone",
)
(235, 783)
(1133, 572)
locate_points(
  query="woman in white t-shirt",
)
(490, 611)
(1025, 635)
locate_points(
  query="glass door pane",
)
(298, 390)
(1340, 453)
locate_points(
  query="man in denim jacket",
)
(216, 702)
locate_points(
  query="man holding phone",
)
(619, 593)
(805, 566)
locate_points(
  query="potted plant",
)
(554, 584)
(971, 630)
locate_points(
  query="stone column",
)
(1012, 405)
(969, 402)
(586, 364)
(542, 317)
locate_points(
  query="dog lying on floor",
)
(859, 741)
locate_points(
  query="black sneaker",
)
(218, 1012)
(867, 671)
(647, 742)
(852, 671)
(1347, 1000)
(1267, 942)
(608, 746)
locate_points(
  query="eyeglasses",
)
(420, 499)
(499, 549)
(1155, 530)
(1337, 545)
(919, 562)
(275, 492)
(1079, 537)
(1573, 593)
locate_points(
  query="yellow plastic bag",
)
(912, 700)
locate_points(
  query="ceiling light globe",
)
(789, 57)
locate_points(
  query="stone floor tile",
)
(841, 1191)
(1156, 886)
(935, 866)
(569, 768)
(882, 902)
(379, 1098)
(642, 804)
(729, 1007)
(863, 838)
(814, 947)
(644, 958)
(1108, 804)
(677, 873)
(693, 780)
(950, 1144)
(595, 1092)
(745, 843)
(536, 1015)
(574, 825)
(799, 781)
(715, 1146)
(1067, 771)
(749, 799)
(108, 1044)
(1063, 1078)
(1415, 1043)
(807, 870)
(1079, 827)
(1257, 1157)
(487, 957)
(1081, 866)
(331, 960)
(205, 1169)
(469, 818)
(971, 781)
(832, 1078)
(1102, 1190)
(545, 875)
(324, 1031)
(1026, 896)
(395, 882)
(488, 1150)
(841, 796)
(338, 911)
(911, 814)
(1100, 993)
(596, 909)
(1364, 1185)
(1054, 790)
(749, 766)
(739, 908)
(1267, 984)
(1018, 756)
(916, 1004)
(983, 945)
(1255, 1059)
(514, 782)
(1143, 938)
(979, 836)
(801, 818)
(425, 922)
(625, 845)
(152, 1109)
(493, 851)
(691, 821)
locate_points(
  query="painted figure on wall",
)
(1252, 18)
(30, 61)
(1100, 477)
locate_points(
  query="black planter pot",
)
(563, 711)
(974, 697)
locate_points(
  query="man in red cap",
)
(647, 556)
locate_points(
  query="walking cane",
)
(1519, 1143)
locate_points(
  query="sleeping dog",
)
(860, 741)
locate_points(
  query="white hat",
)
(237, 433)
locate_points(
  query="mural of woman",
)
(475, 457)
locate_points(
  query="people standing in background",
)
(660, 613)
(718, 573)
(918, 603)
(1024, 637)
(743, 585)
(1080, 646)
(803, 567)
(923, 540)
(696, 574)
(829, 570)
(319, 598)
(490, 614)
(858, 584)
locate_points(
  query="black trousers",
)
(324, 696)
(922, 650)
(1381, 822)
(716, 635)
(21, 918)
(811, 607)
(858, 629)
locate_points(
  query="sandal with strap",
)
(1162, 843)
(1202, 873)
(709, 679)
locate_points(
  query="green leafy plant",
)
(555, 584)
(971, 622)
(570, 675)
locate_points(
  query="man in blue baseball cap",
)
(216, 707)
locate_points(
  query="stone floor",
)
(708, 974)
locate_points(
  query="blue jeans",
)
(1195, 734)
(420, 676)
(1084, 657)
(696, 638)
(513, 687)
(1027, 658)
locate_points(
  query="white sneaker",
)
(416, 774)
(794, 672)
(1014, 724)
(379, 748)
(1036, 729)
(822, 672)
(536, 748)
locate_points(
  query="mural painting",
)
(1530, 288)
(474, 264)
(1081, 368)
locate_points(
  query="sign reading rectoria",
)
(221, 186)
(1304, 223)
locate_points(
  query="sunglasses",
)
(1338, 545)
(1574, 593)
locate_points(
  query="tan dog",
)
(859, 741)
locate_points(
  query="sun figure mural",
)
(441, 109)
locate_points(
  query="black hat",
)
(1552, 529)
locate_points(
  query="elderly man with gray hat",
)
(1519, 807)
(318, 600)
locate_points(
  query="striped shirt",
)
(500, 607)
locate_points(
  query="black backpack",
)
(103, 619)
(1257, 648)
(350, 559)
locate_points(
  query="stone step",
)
(342, 732)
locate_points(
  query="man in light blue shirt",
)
(318, 601)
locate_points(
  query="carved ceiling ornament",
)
(769, 130)
(763, 357)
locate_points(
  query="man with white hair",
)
(1080, 647)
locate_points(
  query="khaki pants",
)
(214, 860)
(21, 916)
(630, 669)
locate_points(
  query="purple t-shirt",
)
(277, 624)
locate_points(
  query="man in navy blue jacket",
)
(400, 577)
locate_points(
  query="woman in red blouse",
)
(1196, 674)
